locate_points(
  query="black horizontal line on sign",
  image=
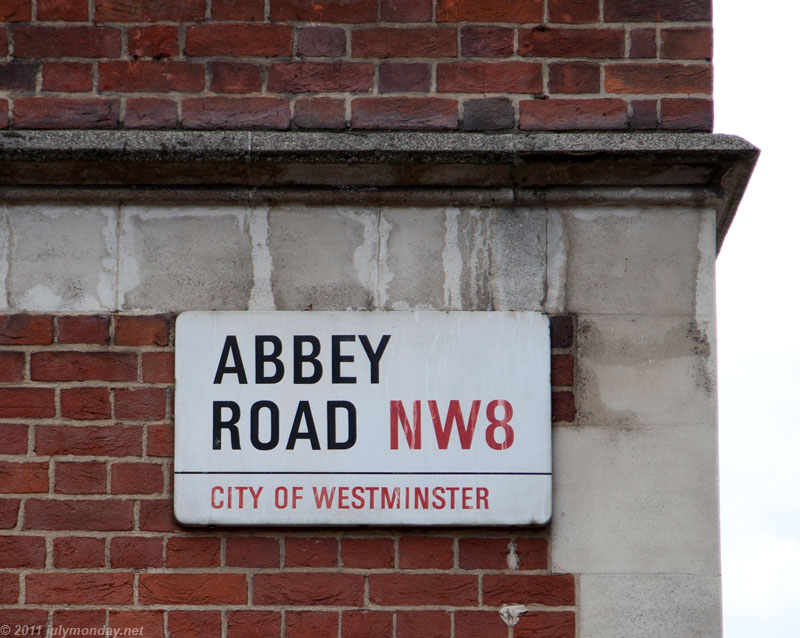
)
(385, 473)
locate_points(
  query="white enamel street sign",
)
(362, 418)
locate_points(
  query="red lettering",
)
(324, 497)
(483, 497)
(217, 489)
(343, 498)
(496, 424)
(397, 416)
(454, 414)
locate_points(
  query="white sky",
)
(758, 298)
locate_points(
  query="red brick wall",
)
(87, 537)
(360, 64)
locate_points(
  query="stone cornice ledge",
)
(260, 166)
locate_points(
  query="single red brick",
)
(561, 370)
(23, 478)
(574, 78)
(360, 623)
(487, 42)
(192, 589)
(66, 76)
(80, 620)
(235, 77)
(22, 551)
(140, 403)
(479, 624)
(190, 624)
(252, 551)
(489, 77)
(532, 553)
(73, 477)
(354, 11)
(13, 436)
(157, 76)
(90, 329)
(160, 440)
(308, 589)
(245, 10)
(12, 365)
(151, 622)
(253, 624)
(686, 43)
(547, 589)
(35, 403)
(236, 113)
(9, 512)
(403, 113)
(4, 114)
(572, 43)
(644, 114)
(513, 11)
(9, 589)
(156, 516)
(423, 42)
(77, 551)
(94, 515)
(573, 11)
(137, 478)
(150, 11)
(66, 10)
(561, 331)
(423, 589)
(426, 552)
(26, 329)
(158, 367)
(321, 42)
(67, 42)
(238, 39)
(193, 552)
(15, 11)
(89, 440)
(406, 11)
(311, 552)
(79, 588)
(319, 113)
(303, 77)
(658, 78)
(431, 624)
(404, 77)
(483, 553)
(83, 366)
(305, 624)
(18, 76)
(368, 553)
(546, 624)
(136, 553)
(687, 114)
(657, 10)
(159, 41)
(150, 113)
(643, 43)
(65, 113)
(573, 114)
(3, 40)
(563, 406)
(85, 403)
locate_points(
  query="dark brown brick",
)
(643, 43)
(67, 42)
(572, 43)
(513, 11)
(426, 42)
(406, 11)
(316, 77)
(573, 11)
(355, 11)
(317, 42)
(244, 10)
(405, 113)
(657, 10)
(65, 113)
(489, 114)
(235, 77)
(319, 113)
(487, 42)
(574, 78)
(149, 11)
(236, 113)
(12, 366)
(150, 113)
(18, 76)
(644, 114)
(404, 77)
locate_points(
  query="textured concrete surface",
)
(651, 605)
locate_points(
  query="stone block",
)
(176, 258)
(324, 258)
(642, 260)
(57, 257)
(652, 605)
(645, 371)
(641, 500)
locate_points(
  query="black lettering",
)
(374, 355)
(272, 358)
(337, 358)
(300, 358)
(274, 434)
(333, 444)
(231, 348)
(218, 424)
(303, 411)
